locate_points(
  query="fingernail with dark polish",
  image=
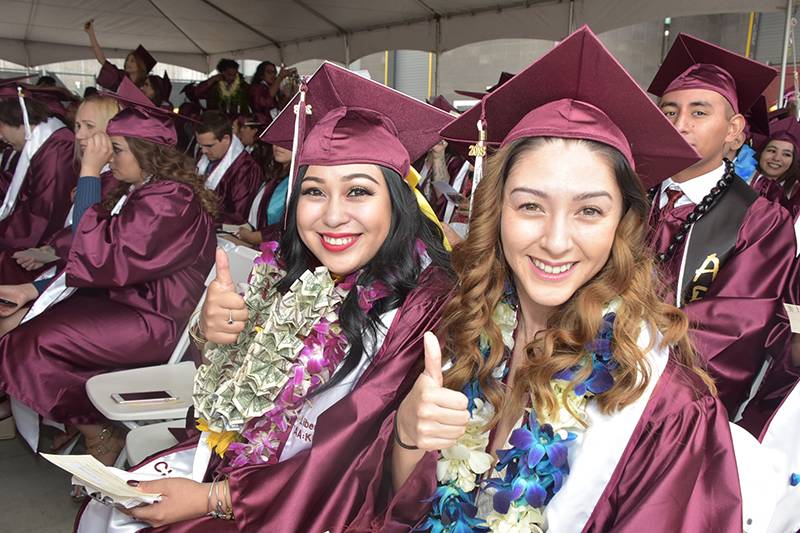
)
(133, 483)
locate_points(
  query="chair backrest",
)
(241, 263)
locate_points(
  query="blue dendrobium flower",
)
(794, 480)
(452, 512)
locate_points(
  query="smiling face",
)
(344, 214)
(707, 122)
(561, 208)
(776, 158)
(123, 163)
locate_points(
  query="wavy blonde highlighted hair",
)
(629, 275)
(105, 109)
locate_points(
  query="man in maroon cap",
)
(725, 252)
(37, 199)
(228, 168)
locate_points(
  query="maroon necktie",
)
(668, 223)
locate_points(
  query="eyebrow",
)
(348, 177)
(697, 103)
(578, 197)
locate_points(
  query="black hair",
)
(395, 265)
(215, 122)
(89, 92)
(11, 113)
(46, 81)
(225, 63)
(155, 84)
(259, 73)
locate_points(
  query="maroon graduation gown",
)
(730, 324)
(139, 276)
(238, 188)
(44, 199)
(110, 76)
(323, 487)
(677, 473)
(261, 102)
(10, 271)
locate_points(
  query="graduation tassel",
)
(299, 129)
(478, 151)
(25, 118)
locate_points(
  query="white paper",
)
(794, 317)
(106, 482)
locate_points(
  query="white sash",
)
(252, 218)
(598, 450)
(782, 436)
(458, 183)
(39, 135)
(303, 431)
(189, 463)
(222, 167)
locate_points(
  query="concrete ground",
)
(36, 496)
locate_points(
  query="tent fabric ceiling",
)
(196, 33)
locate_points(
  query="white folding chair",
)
(175, 377)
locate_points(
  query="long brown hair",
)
(629, 276)
(165, 163)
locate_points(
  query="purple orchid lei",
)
(536, 466)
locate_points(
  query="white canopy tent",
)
(196, 33)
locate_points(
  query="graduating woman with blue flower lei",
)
(564, 395)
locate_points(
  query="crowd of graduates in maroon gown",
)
(575, 205)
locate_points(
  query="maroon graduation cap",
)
(696, 64)
(144, 56)
(786, 129)
(587, 95)
(440, 102)
(504, 77)
(140, 118)
(351, 119)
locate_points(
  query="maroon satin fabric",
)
(10, 271)
(323, 487)
(110, 76)
(730, 325)
(139, 276)
(781, 375)
(44, 199)
(238, 188)
(261, 102)
(769, 189)
(677, 473)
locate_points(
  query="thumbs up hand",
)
(432, 417)
(224, 312)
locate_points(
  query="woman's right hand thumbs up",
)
(224, 312)
(432, 417)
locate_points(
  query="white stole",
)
(458, 183)
(39, 135)
(252, 218)
(595, 455)
(303, 430)
(222, 167)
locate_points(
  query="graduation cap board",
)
(587, 95)
(692, 63)
(340, 118)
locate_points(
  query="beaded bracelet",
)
(397, 438)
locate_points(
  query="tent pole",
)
(437, 54)
(785, 54)
(346, 51)
(571, 27)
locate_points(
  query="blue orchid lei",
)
(536, 466)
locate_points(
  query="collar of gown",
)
(694, 190)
